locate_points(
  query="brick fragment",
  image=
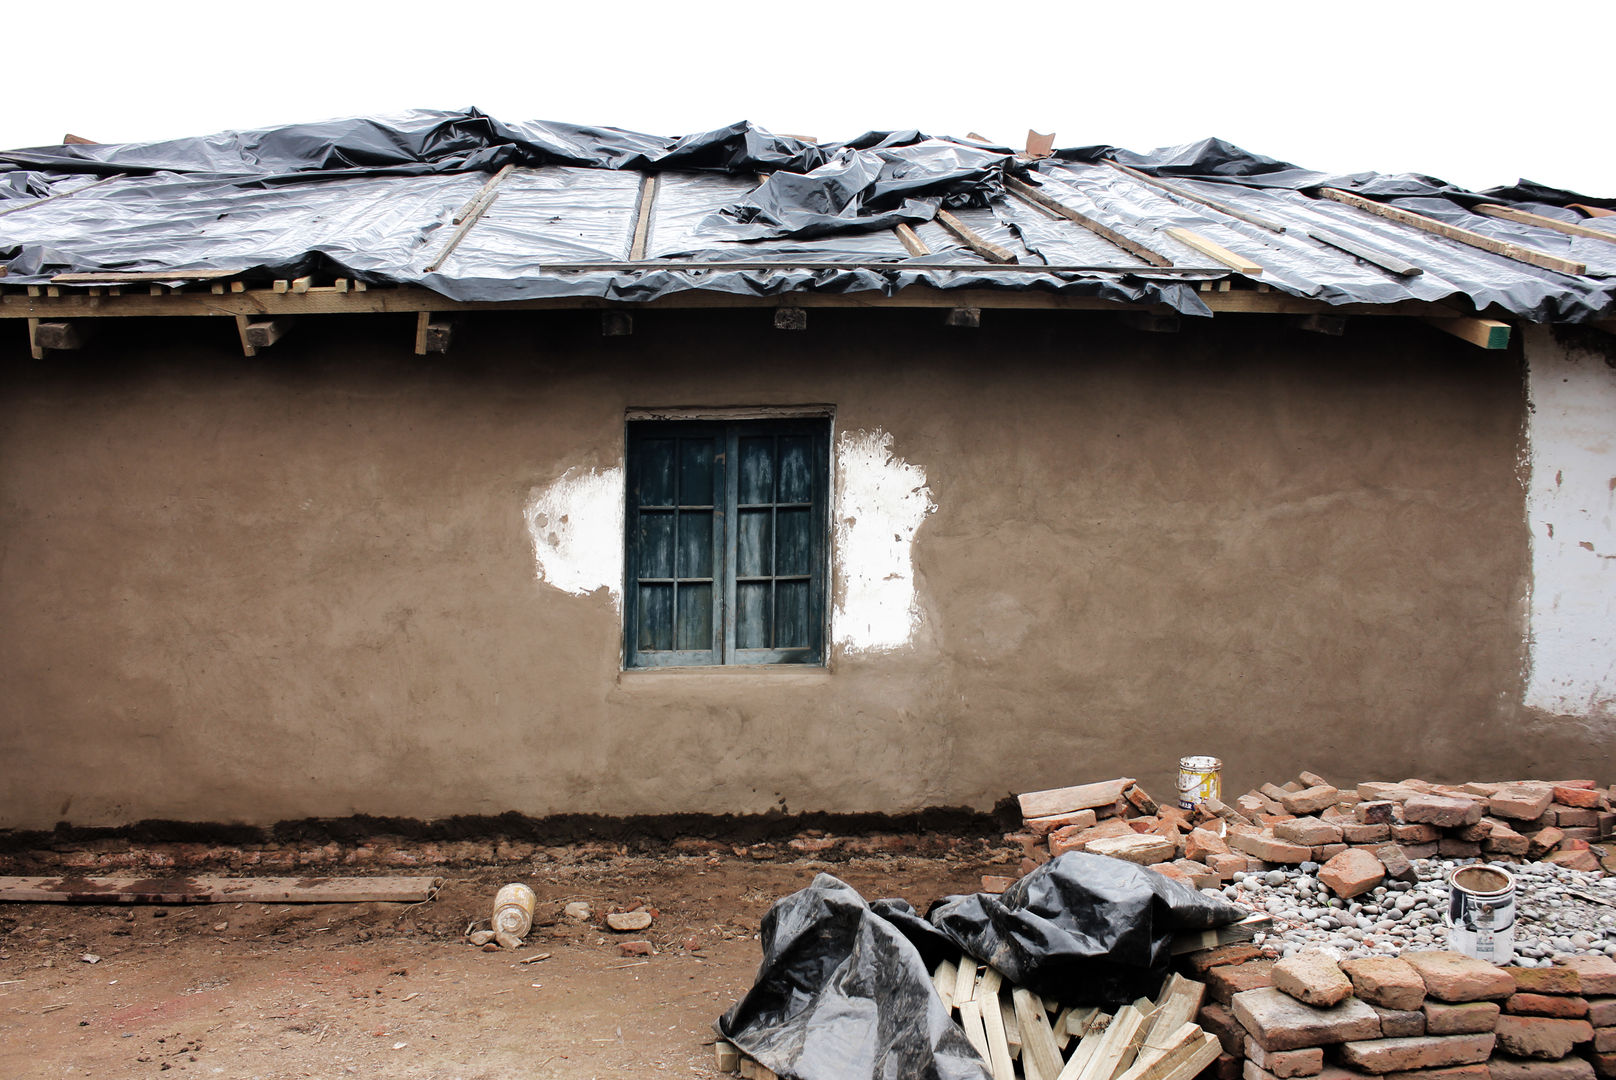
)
(1541, 1037)
(1312, 799)
(1604, 1065)
(1140, 848)
(1203, 842)
(1602, 1011)
(1399, 1023)
(1223, 983)
(1218, 1020)
(1327, 852)
(1467, 1018)
(1504, 840)
(1043, 826)
(1205, 960)
(1555, 1005)
(1451, 847)
(1375, 812)
(1313, 978)
(1586, 798)
(1420, 851)
(1453, 1072)
(1476, 833)
(1569, 816)
(1396, 861)
(1374, 791)
(1545, 980)
(1352, 872)
(1226, 866)
(1388, 982)
(1507, 1068)
(1381, 1056)
(1605, 1040)
(1419, 833)
(1353, 833)
(1521, 802)
(1308, 830)
(1442, 811)
(635, 948)
(1285, 1063)
(1544, 841)
(996, 883)
(1455, 977)
(1269, 848)
(1076, 838)
(1596, 975)
(1574, 860)
(1278, 1021)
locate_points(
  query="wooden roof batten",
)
(1431, 225)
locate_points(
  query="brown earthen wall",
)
(300, 585)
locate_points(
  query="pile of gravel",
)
(1551, 919)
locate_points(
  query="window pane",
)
(752, 615)
(796, 469)
(757, 470)
(695, 544)
(695, 472)
(656, 617)
(794, 552)
(791, 614)
(695, 630)
(656, 544)
(656, 472)
(753, 558)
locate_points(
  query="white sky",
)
(1475, 93)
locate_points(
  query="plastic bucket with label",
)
(1481, 912)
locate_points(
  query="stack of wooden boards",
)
(1023, 1037)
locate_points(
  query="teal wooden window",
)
(726, 529)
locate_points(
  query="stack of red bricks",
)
(1360, 836)
(1420, 1016)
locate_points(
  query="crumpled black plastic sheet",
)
(844, 990)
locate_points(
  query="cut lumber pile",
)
(1421, 1016)
(1359, 835)
(1023, 1037)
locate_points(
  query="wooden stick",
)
(471, 203)
(1217, 251)
(1038, 1047)
(965, 981)
(1190, 196)
(975, 1032)
(1456, 234)
(247, 348)
(911, 240)
(141, 277)
(1179, 1001)
(943, 980)
(974, 240)
(472, 218)
(1509, 213)
(642, 217)
(1373, 255)
(60, 195)
(1028, 193)
(993, 1020)
(1117, 1045)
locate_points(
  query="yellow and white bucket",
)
(1199, 779)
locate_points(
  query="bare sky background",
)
(1478, 94)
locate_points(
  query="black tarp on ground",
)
(845, 993)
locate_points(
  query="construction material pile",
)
(1424, 1016)
(1358, 838)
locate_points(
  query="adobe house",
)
(440, 466)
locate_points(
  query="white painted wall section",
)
(1571, 506)
(576, 524)
(881, 502)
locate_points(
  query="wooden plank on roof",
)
(974, 240)
(218, 890)
(642, 217)
(482, 193)
(1591, 211)
(1485, 333)
(1027, 193)
(1521, 217)
(1456, 234)
(1369, 254)
(60, 195)
(911, 240)
(1192, 239)
(140, 277)
(1194, 197)
(459, 234)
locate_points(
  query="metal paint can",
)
(513, 910)
(1481, 912)
(1199, 779)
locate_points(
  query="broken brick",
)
(1521, 802)
(1278, 1021)
(1311, 800)
(1417, 1052)
(1352, 872)
(1223, 983)
(1541, 1037)
(1466, 1018)
(1455, 977)
(1504, 1068)
(1386, 981)
(1270, 848)
(1442, 811)
(1596, 975)
(1313, 978)
(1562, 1008)
(1309, 831)
(1284, 1063)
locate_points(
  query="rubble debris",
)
(629, 921)
(578, 911)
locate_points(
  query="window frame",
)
(727, 433)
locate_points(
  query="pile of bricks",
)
(1421, 1016)
(1360, 836)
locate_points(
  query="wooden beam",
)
(1027, 193)
(1485, 333)
(1521, 217)
(974, 240)
(263, 333)
(1222, 254)
(218, 890)
(993, 1019)
(1190, 196)
(302, 284)
(1369, 254)
(1456, 234)
(489, 185)
(1038, 1047)
(911, 241)
(970, 1013)
(64, 335)
(35, 349)
(141, 277)
(247, 349)
(642, 217)
(60, 195)
(474, 216)
(422, 321)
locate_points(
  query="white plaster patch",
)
(1571, 506)
(577, 528)
(881, 501)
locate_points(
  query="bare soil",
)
(394, 990)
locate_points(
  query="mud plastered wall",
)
(341, 580)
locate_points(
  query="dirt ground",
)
(394, 990)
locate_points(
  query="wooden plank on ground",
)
(1038, 1048)
(1522, 217)
(1484, 333)
(1154, 1063)
(1176, 1006)
(1027, 193)
(1088, 1043)
(974, 240)
(993, 1019)
(965, 981)
(943, 979)
(1216, 251)
(1117, 1046)
(975, 1032)
(1195, 940)
(1456, 234)
(1069, 799)
(217, 890)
